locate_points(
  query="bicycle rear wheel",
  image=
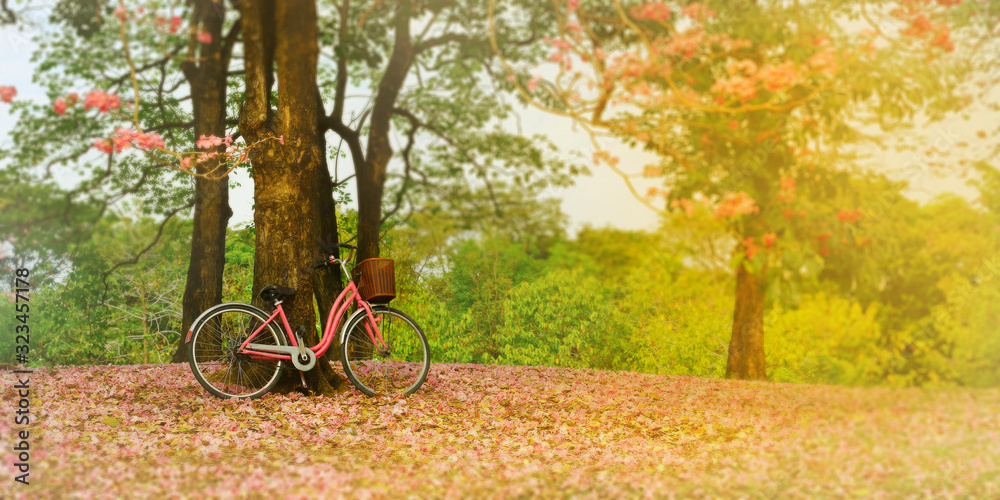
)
(216, 362)
(397, 368)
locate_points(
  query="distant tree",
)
(752, 108)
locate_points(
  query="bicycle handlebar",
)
(328, 262)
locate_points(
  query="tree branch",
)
(134, 260)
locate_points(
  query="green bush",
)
(827, 340)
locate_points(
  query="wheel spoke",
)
(219, 367)
(397, 366)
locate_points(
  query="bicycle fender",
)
(201, 316)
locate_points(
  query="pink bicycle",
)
(239, 351)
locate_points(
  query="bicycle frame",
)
(344, 300)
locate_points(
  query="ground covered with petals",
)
(502, 431)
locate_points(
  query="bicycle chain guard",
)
(292, 352)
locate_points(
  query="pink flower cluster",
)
(741, 87)
(735, 204)
(63, 103)
(102, 101)
(124, 138)
(7, 93)
(697, 11)
(533, 83)
(776, 77)
(849, 216)
(751, 248)
(211, 141)
(653, 11)
(745, 76)
(603, 156)
(174, 22)
(824, 62)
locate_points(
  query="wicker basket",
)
(376, 280)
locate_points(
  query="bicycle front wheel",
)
(396, 367)
(215, 358)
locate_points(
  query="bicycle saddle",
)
(273, 293)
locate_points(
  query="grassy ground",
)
(502, 431)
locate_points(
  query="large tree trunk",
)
(746, 348)
(285, 175)
(211, 205)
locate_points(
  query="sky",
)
(600, 199)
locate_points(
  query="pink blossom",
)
(824, 62)
(208, 142)
(281, 139)
(736, 204)
(572, 5)
(606, 157)
(103, 145)
(204, 37)
(697, 11)
(185, 163)
(533, 83)
(125, 132)
(742, 88)
(149, 141)
(778, 77)
(7, 93)
(175, 24)
(101, 100)
(653, 11)
(121, 142)
(121, 13)
(943, 39)
(849, 215)
(559, 44)
(229, 141)
(60, 106)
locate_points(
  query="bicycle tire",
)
(213, 359)
(400, 370)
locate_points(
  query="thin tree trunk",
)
(746, 348)
(211, 206)
(371, 179)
